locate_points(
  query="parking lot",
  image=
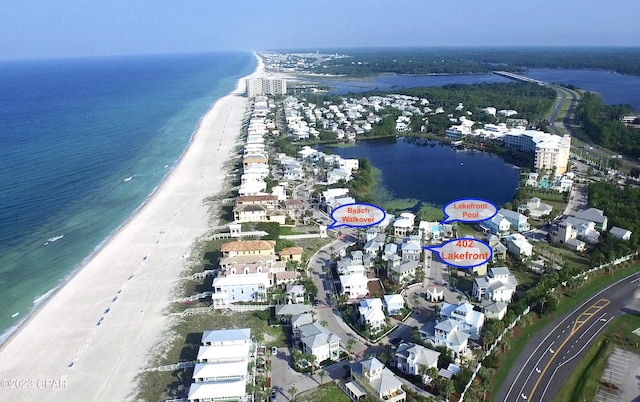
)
(623, 372)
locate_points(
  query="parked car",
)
(274, 395)
(274, 350)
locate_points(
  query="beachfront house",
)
(248, 247)
(222, 368)
(468, 319)
(242, 288)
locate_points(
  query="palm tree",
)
(292, 392)
(312, 360)
(322, 373)
(448, 387)
(485, 387)
(349, 346)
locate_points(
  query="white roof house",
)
(497, 285)
(354, 286)
(371, 313)
(225, 337)
(620, 233)
(410, 358)
(209, 391)
(518, 245)
(393, 303)
(222, 369)
(536, 208)
(468, 319)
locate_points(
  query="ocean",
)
(83, 143)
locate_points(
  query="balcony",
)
(398, 395)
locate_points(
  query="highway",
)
(555, 351)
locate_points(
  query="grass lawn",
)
(584, 382)
(324, 393)
(568, 303)
(396, 206)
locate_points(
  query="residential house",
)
(375, 245)
(371, 314)
(517, 220)
(495, 310)
(291, 254)
(411, 248)
(298, 321)
(403, 225)
(295, 293)
(354, 285)
(402, 272)
(594, 215)
(537, 209)
(572, 228)
(222, 371)
(372, 377)
(248, 247)
(411, 358)
(446, 333)
(498, 225)
(620, 233)
(469, 320)
(316, 340)
(285, 312)
(519, 246)
(249, 287)
(393, 304)
(497, 285)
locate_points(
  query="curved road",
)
(555, 351)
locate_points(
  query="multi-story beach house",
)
(316, 340)
(411, 358)
(222, 368)
(497, 285)
(373, 378)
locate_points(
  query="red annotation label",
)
(463, 253)
(469, 210)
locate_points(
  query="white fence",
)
(301, 236)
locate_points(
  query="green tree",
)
(293, 391)
(322, 373)
(350, 343)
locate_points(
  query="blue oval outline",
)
(332, 226)
(467, 221)
(441, 245)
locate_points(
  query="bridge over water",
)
(517, 77)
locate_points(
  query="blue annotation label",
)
(469, 210)
(356, 215)
(463, 253)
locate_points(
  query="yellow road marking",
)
(580, 321)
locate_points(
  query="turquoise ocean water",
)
(83, 143)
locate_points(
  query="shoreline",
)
(102, 321)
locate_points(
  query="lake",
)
(435, 173)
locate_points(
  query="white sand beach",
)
(127, 286)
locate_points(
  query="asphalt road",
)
(551, 355)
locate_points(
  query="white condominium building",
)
(266, 86)
(551, 151)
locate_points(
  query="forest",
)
(365, 62)
(601, 123)
(622, 207)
